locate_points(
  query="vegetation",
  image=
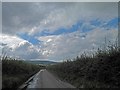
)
(16, 72)
(100, 70)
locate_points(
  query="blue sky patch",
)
(75, 27)
(112, 23)
(61, 30)
(29, 38)
(96, 22)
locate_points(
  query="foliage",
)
(101, 70)
(16, 72)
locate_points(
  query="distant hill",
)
(42, 62)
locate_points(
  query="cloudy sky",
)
(56, 30)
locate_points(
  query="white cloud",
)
(15, 47)
(30, 51)
(58, 47)
(11, 41)
(49, 40)
(70, 45)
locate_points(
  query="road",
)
(44, 79)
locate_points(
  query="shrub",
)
(97, 71)
(16, 72)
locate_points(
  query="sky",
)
(56, 30)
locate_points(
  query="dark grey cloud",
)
(22, 16)
(17, 16)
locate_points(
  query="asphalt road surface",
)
(44, 79)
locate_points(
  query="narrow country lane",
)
(45, 79)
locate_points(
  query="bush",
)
(16, 72)
(97, 71)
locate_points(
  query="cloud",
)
(58, 47)
(30, 51)
(12, 41)
(23, 16)
(56, 30)
(70, 45)
(67, 16)
(15, 47)
(36, 17)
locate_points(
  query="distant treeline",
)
(16, 72)
(100, 70)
